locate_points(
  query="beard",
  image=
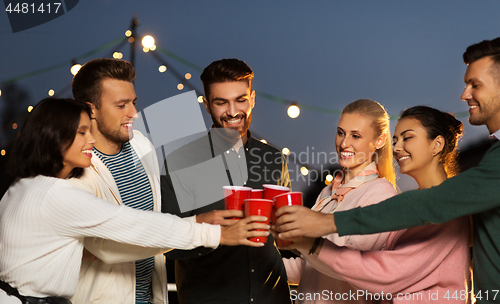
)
(487, 111)
(230, 132)
(113, 135)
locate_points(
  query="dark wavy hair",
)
(48, 131)
(437, 123)
(225, 70)
(87, 83)
(483, 49)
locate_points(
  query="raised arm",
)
(425, 255)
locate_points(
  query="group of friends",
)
(79, 225)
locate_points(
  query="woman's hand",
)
(219, 217)
(238, 233)
(298, 221)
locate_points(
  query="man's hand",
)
(219, 217)
(303, 244)
(238, 233)
(301, 221)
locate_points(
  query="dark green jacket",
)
(475, 191)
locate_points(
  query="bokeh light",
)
(148, 41)
(293, 111)
(75, 68)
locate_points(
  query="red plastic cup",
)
(259, 206)
(270, 191)
(235, 196)
(257, 193)
(286, 199)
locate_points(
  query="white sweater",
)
(111, 278)
(43, 222)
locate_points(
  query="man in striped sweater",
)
(124, 170)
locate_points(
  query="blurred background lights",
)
(148, 41)
(153, 47)
(162, 68)
(131, 39)
(14, 126)
(200, 99)
(293, 111)
(187, 76)
(286, 151)
(180, 86)
(75, 68)
(30, 108)
(304, 171)
(145, 49)
(0, 92)
(2, 152)
(264, 141)
(329, 179)
(51, 92)
(117, 55)
(128, 33)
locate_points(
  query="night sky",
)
(319, 53)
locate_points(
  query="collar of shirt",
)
(222, 144)
(495, 136)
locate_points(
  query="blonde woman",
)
(363, 145)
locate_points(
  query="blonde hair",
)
(381, 125)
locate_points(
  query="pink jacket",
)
(427, 264)
(314, 283)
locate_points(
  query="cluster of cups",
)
(262, 202)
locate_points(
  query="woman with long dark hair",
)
(45, 218)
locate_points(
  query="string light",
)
(0, 92)
(117, 55)
(131, 39)
(264, 141)
(2, 152)
(148, 41)
(188, 76)
(304, 171)
(153, 47)
(180, 86)
(200, 99)
(286, 151)
(75, 68)
(145, 49)
(329, 179)
(51, 92)
(162, 68)
(14, 126)
(30, 108)
(293, 111)
(128, 33)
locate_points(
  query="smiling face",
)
(412, 149)
(115, 116)
(482, 93)
(79, 153)
(230, 104)
(356, 142)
